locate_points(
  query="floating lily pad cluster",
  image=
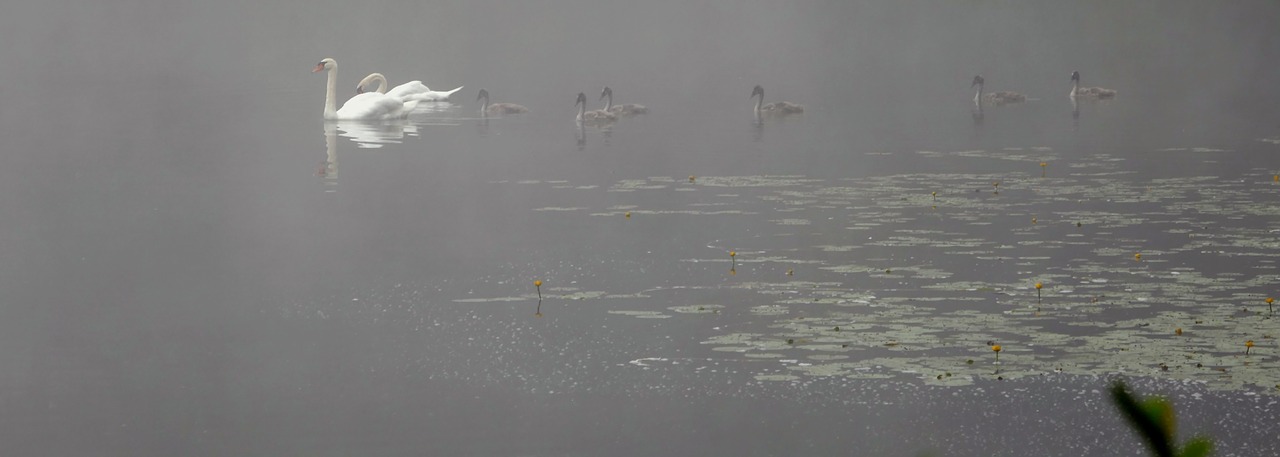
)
(921, 275)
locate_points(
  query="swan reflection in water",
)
(376, 133)
(328, 171)
(373, 134)
(757, 128)
(1075, 114)
(365, 135)
(581, 134)
(606, 132)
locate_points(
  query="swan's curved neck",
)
(382, 82)
(977, 97)
(759, 101)
(330, 112)
(582, 111)
(484, 106)
(1075, 87)
(608, 105)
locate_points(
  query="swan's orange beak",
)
(318, 68)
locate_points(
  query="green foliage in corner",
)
(1153, 418)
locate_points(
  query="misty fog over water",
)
(197, 263)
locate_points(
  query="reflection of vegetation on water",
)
(912, 275)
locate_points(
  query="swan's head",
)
(483, 95)
(1075, 76)
(757, 91)
(326, 64)
(978, 81)
(607, 92)
(582, 99)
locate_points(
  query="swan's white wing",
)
(372, 105)
(408, 90)
(432, 95)
(446, 93)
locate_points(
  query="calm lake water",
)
(198, 264)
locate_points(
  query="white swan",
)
(1088, 92)
(594, 116)
(412, 90)
(996, 98)
(497, 108)
(363, 106)
(626, 109)
(775, 109)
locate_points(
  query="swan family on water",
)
(1007, 97)
(398, 102)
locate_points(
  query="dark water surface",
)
(197, 264)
